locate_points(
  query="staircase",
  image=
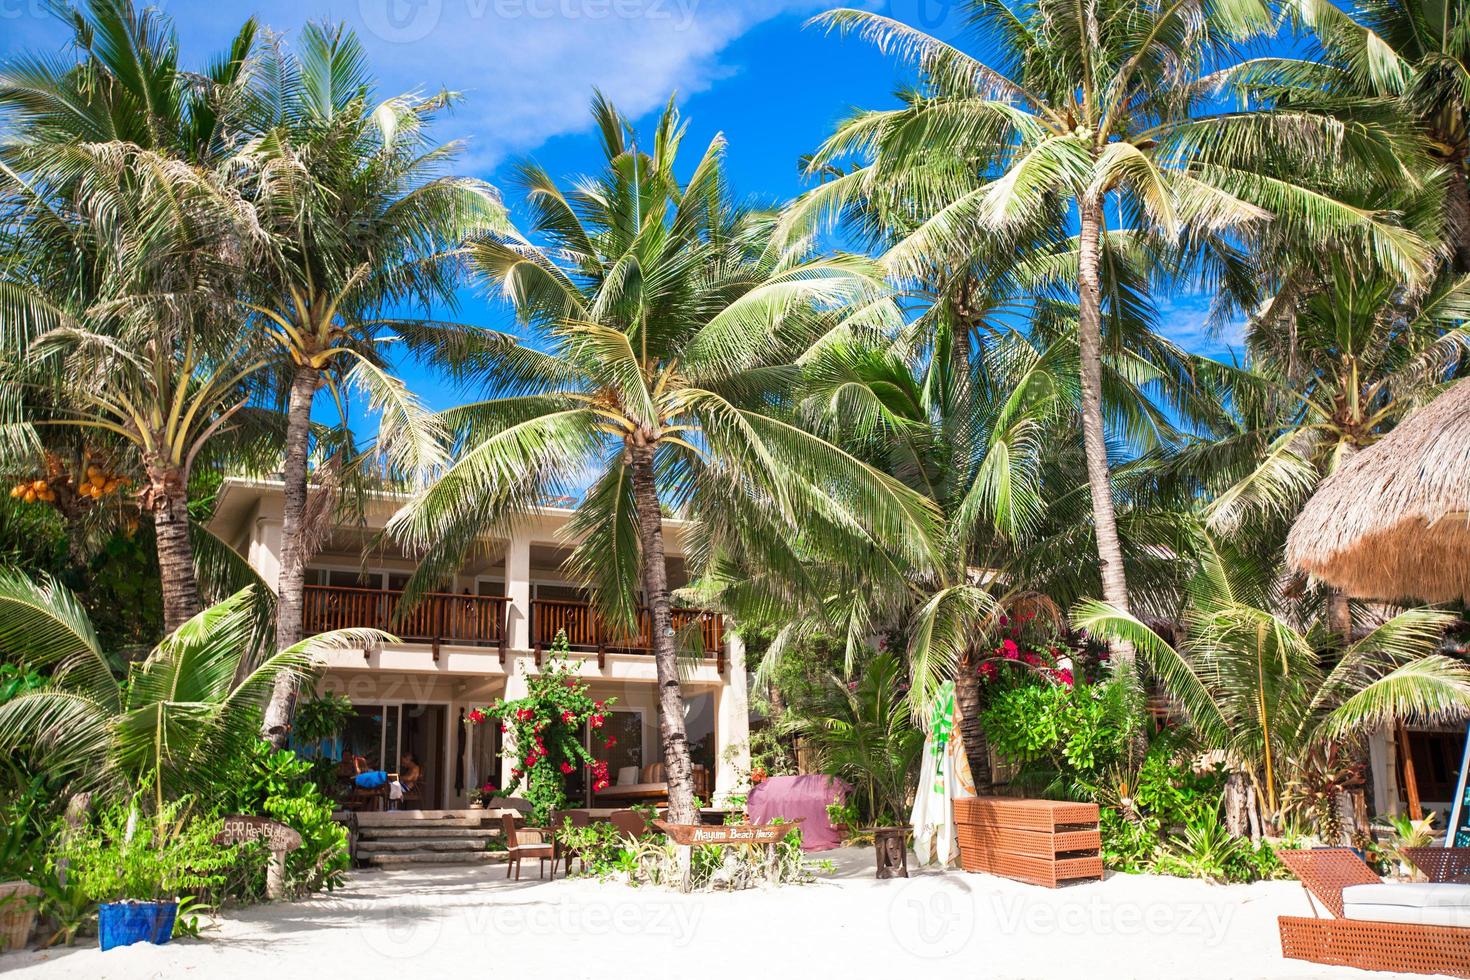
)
(402, 838)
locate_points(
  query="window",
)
(625, 725)
(699, 724)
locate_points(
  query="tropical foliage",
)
(964, 449)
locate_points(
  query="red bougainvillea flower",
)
(599, 705)
(596, 721)
(988, 670)
(599, 786)
(1031, 659)
(515, 774)
(567, 717)
(475, 717)
(567, 768)
(524, 714)
(531, 761)
(1010, 648)
(611, 741)
(1064, 676)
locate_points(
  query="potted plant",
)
(136, 865)
(480, 799)
(20, 853)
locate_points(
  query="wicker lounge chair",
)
(525, 842)
(1339, 881)
(1442, 864)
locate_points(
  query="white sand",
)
(449, 923)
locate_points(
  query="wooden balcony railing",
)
(439, 617)
(586, 631)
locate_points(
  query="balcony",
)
(439, 617)
(586, 631)
(472, 620)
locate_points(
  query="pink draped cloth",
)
(789, 797)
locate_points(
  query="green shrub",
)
(1061, 735)
(127, 855)
(279, 785)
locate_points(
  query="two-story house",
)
(480, 639)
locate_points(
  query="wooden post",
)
(504, 617)
(686, 867)
(1406, 766)
(275, 876)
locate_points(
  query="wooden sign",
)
(279, 839)
(239, 829)
(688, 834)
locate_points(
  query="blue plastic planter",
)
(125, 923)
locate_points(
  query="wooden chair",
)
(525, 842)
(559, 819)
(629, 823)
(1365, 944)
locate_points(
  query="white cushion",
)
(1420, 903)
(1421, 894)
(1446, 915)
(627, 775)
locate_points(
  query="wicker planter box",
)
(17, 913)
(1043, 842)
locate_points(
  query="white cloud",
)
(1183, 318)
(528, 67)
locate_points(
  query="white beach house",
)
(481, 638)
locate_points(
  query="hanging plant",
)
(545, 727)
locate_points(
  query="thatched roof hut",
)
(1394, 521)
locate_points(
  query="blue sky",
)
(527, 68)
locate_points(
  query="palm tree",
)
(1413, 55)
(673, 322)
(862, 730)
(130, 350)
(127, 242)
(1075, 109)
(990, 439)
(177, 720)
(366, 221)
(1337, 359)
(1263, 691)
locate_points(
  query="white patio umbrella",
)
(943, 778)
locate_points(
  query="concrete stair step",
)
(433, 857)
(420, 844)
(412, 833)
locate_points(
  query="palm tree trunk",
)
(291, 585)
(1089, 342)
(972, 732)
(169, 503)
(1340, 616)
(677, 767)
(1457, 214)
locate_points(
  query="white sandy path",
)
(448, 923)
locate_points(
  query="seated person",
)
(409, 776)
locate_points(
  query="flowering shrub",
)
(545, 727)
(1025, 654)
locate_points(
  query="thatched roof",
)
(1394, 521)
